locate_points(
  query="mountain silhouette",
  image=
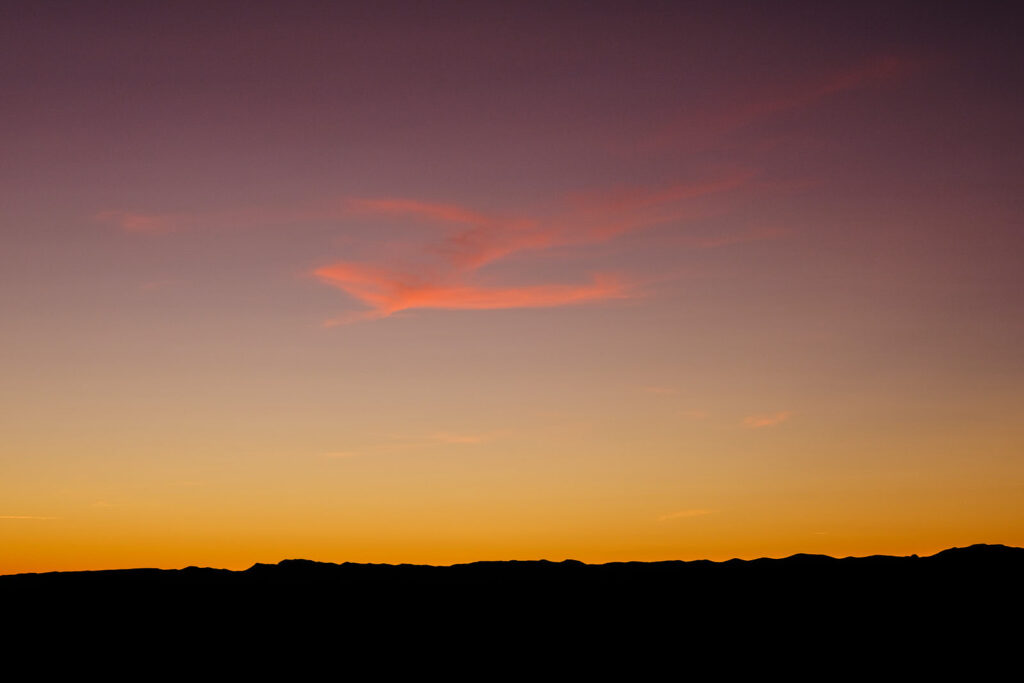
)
(803, 608)
(985, 559)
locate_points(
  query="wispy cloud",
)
(700, 512)
(141, 223)
(439, 269)
(392, 443)
(769, 420)
(442, 274)
(388, 293)
(778, 99)
(449, 438)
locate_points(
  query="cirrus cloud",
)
(442, 273)
(769, 420)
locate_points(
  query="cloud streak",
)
(872, 72)
(444, 438)
(760, 421)
(438, 268)
(136, 223)
(449, 438)
(442, 274)
(387, 293)
(397, 443)
(684, 514)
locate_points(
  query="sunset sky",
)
(437, 282)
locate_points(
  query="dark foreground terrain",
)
(798, 607)
(698, 578)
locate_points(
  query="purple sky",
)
(449, 281)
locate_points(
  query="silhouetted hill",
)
(988, 559)
(806, 608)
(800, 580)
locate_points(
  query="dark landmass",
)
(980, 575)
(994, 562)
(806, 608)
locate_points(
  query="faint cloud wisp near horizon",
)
(682, 514)
(395, 443)
(769, 420)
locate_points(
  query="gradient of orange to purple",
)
(442, 282)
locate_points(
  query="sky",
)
(451, 281)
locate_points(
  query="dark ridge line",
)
(973, 556)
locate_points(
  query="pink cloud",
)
(784, 98)
(163, 223)
(872, 72)
(387, 293)
(758, 421)
(440, 274)
(438, 268)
